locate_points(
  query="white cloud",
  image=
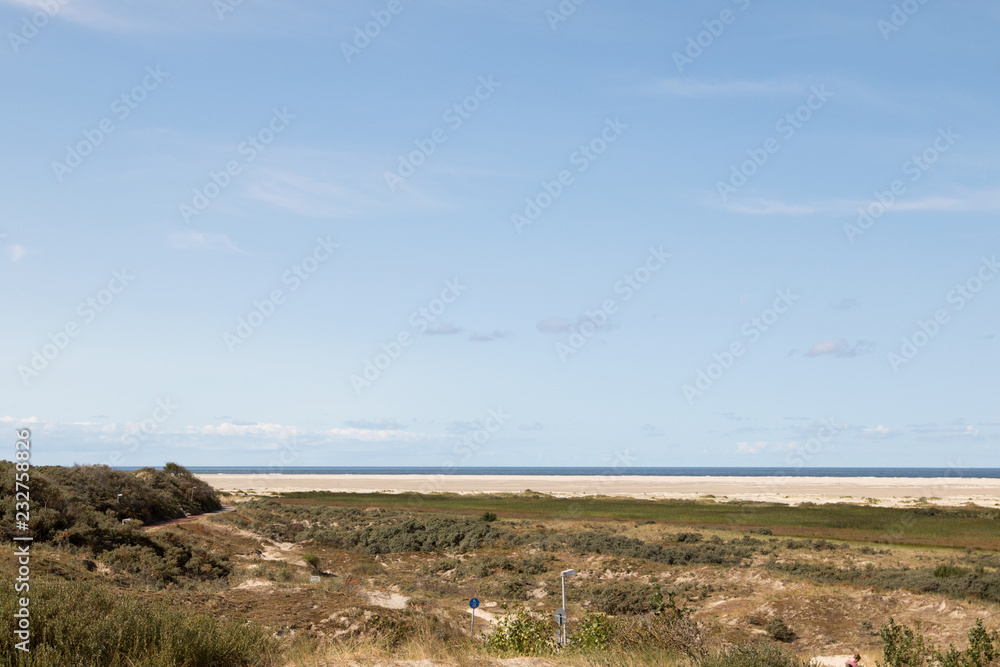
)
(489, 337)
(375, 424)
(190, 239)
(752, 447)
(554, 325)
(962, 200)
(840, 348)
(307, 196)
(695, 88)
(17, 252)
(443, 329)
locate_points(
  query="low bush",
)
(904, 647)
(979, 584)
(622, 598)
(779, 630)
(520, 633)
(63, 496)
(753, 655)
(81, 623)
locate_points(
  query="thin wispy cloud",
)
(443, 329)
(304, 195)
(375, 424)
(844, 304)
(840, 348)
(489, 337)
(964, 200)
(696, 88)
(185, 239)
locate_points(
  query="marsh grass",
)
(928, 526)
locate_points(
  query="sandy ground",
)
(793, 490)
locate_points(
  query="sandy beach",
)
(894, 491)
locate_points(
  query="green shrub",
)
(368, 568)
(983, 650)
(594, 633)
(977, 584)
(512, 590)
(753, 655)
(312, 560)
(901, 647)
(621, 598)
(77, 623)
(520, 633)
(488, 517)
(688, 537)
(779, 630)
(944, 571)
(81, 506)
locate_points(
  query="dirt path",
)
(225, 508)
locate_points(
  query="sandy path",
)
(892, 490)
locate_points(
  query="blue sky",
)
(501, 233)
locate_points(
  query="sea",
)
(624, 471)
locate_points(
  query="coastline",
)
(887, 491)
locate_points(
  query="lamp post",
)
(562, 616)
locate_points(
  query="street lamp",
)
(561, 613)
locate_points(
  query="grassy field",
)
(966, 527)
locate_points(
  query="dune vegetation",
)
(376, 580)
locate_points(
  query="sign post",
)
(562, 623)
(473, 603)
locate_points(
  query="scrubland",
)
(348, 579)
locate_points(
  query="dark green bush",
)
(88, 495)
(977, 584)
(753, 655)
(520, 633)
(622, 598)
(779, 630)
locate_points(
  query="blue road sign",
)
(474, 603)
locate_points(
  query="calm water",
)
(623, 471)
